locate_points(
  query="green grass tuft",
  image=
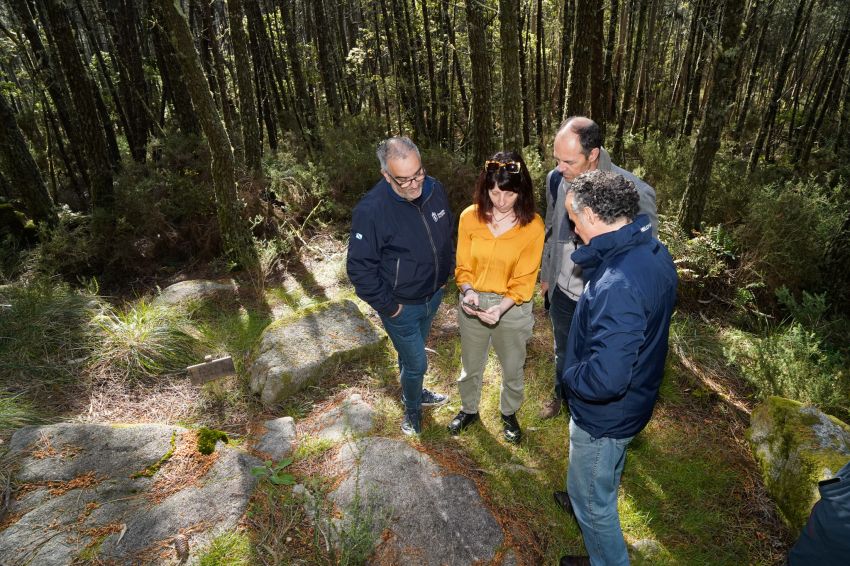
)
(230, 548)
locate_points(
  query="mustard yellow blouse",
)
(506, 265)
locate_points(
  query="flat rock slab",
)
(353, 416)
(423, 515)
(196, 290)
(295, 351)
(77, 499)
(279, 438)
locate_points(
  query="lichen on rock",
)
(796, 446)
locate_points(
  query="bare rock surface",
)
(353, 416)
(83, 494)
(422, 514)
(196, 290)
(296, 351)
(279, 438)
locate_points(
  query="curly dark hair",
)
(519, 183)
(609, 195)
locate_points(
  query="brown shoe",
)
(551, 408)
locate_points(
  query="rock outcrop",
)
(124, 495)
(797, 446)
(421, 514)
(195, 290)
(296, 351)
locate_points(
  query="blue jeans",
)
(561, 310)
(593, 479)
(408, 332)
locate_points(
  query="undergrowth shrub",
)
(143, 341)
(792, 361)
(786, 232)
(712, 276)
(44, 334)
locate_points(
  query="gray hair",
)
(611, 196)
(396, 147)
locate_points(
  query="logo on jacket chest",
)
(437, 215)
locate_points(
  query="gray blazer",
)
(555, 260)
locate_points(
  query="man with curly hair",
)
(615, 352)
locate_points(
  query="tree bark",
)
(720, 97)
(18, 164)
(247, 109)
(235, 231)
(778, 86)
(482, 121)
(630, 81)
(511, 99)
(83, 94)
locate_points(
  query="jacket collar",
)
(606, 245)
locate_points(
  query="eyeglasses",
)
(404, 183)
(492, 166)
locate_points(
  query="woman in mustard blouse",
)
(500, 244)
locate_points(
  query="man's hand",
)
(398, 312)
(544, 287)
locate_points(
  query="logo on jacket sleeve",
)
(437, 215)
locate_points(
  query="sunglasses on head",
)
(492, 166)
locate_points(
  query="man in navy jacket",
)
(615, 352)
(400, 255)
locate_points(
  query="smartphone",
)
(473, 307)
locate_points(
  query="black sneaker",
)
(412, 423)
(431, 399)
(513, 434)
(461, 421)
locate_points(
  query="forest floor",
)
(690, 483)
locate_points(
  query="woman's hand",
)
(471, 297)
(494, 313)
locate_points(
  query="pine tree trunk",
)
(17, 162)
(432, 116)
(566, 43)
(607, 79)
(326, 69)
(741, 122)
(173, 83)
(630, 81)
(597, 64)
(482, 124)
(83, 94)
(778, 86)
(304, 105)
(722, 94)
(248, 111)
(511, 99)
(235, 232)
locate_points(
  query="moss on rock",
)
(796, 446)
(207, 438)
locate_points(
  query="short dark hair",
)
(609, 195)
(519, 183)
(589, 136)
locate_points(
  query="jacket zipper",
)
(431, 240)
(397, 269)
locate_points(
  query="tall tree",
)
(778, 86)
(723, 85)
(511, 94)
(628, 88)
(579, 80)
(83, 94)
(607, 78)
(18, 164)
(482, 121)
(235, 232)
(247, 109)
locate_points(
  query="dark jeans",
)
(561, 310)
(408, 332)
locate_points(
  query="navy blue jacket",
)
(618, 339)
(400, 252)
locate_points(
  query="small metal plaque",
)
(208, 371)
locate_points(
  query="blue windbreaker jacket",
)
(618, 339)
(400, 252)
